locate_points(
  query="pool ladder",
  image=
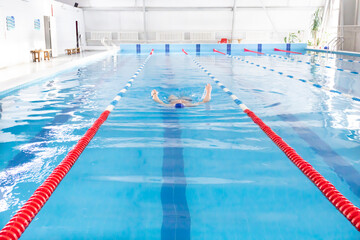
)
(335, 43)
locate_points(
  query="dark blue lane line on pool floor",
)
(340, 166)
(176, 216)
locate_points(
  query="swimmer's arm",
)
(194, 104)
(154, 95)
(206, 99)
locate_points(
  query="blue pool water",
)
(206, 172)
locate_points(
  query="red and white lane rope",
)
(317, 85)
(280, 50)
(349, 210)
(21, 220)
(301, 61)
(247, 50)
(336, 54)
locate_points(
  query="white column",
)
(144, 16)
(233, 22)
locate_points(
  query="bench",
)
(70, 51)
(47, 54)
(36, 55)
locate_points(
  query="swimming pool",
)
(203, 173)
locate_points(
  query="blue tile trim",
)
(288, 47)
(197, 48)
(259, 47)
(167, 48)
(228, 49)
(138, 48)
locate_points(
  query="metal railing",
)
(335, 43)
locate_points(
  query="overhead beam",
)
(148, 9)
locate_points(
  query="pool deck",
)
(18, 75)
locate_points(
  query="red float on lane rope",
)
(349, 210)
(218, 51)
(18, 223)
(247, 50)
(280, 50)
(184, 52)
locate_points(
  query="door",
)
(47, 29)
(77, 34)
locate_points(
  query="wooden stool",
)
(47, 54)
(73, 50)
(68, 51)
(77, 50)
(36, 55)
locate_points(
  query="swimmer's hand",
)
(207, 97)
(208, 88)
(154, 94)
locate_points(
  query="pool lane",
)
(238, 184)
(237, 75)
(15, 174)
(176, 217)
(341, 166)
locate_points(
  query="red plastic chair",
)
(223, 40)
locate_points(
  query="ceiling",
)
(191, 4)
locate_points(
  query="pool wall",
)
(206, 48)
(354, 54)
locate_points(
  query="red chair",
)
(223, 40)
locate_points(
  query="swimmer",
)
(184, 101)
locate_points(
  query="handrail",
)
(340, 42)
(108, 47)
(104, 43)
(334, 43)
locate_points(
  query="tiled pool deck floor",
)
(17, 75)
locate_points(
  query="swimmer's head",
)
(179, 105)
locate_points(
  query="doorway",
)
(47, 29)
(77, 34)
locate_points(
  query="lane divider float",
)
(349, 210)
(340, 59)
(280, 50)
(248, 50)
(217, 51)
(21, 220)
(293, 77)
(314, 64)
(301, 61)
